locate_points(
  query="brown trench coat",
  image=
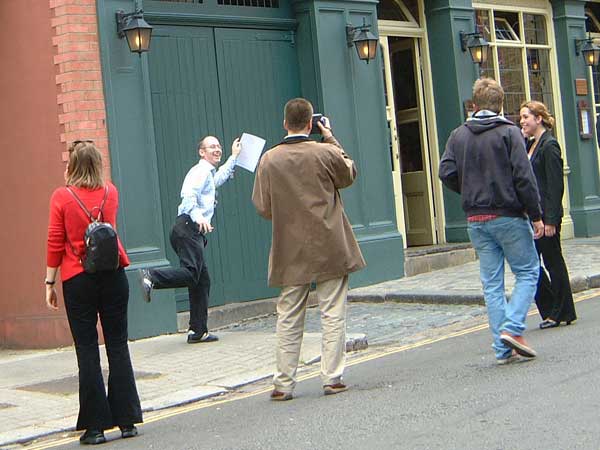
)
(296, 187)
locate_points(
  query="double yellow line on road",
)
(176, 411)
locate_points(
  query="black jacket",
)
(547, 166)
(486, 162)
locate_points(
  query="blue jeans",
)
(510, 238)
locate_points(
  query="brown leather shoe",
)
(518, 344)
(330, 389)
(279, 396)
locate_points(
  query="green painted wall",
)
(453, 77)
(582, 155)
(326, 71)
(134, 171)
(350, 92)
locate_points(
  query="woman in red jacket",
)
(87, 296)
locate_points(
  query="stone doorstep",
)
(423, 260)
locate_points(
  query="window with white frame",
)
(519, 56)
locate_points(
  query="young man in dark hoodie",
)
(486, 162)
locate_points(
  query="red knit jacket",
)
(68, 222)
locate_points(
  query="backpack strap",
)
(88, 213)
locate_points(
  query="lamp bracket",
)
(465, 38)
(124, 18)
(579, 43)
(352, 31)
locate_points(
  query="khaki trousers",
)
(291, 311)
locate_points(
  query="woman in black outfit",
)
(554, 298)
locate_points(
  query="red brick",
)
(76, 56)
(57, 3)
(70, 66)
(77, 28)
(70, 86)
(91, 105)
(74, 37)
(61, 20)
(73, 116)
(75, 47)
(100, 116)
(94, 95)
(70, 97)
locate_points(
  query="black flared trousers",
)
(554, 298)
(104, 295)
(188, 243)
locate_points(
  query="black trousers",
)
(88, 296)
(188, 243)
(554, 298)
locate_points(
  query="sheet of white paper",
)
(252, 147)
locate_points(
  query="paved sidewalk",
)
(38, 389)
(461, 285)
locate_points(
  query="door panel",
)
(258, 74)
(186, 106)
(220, 82)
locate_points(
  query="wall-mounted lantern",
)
(477, 46)
(590, 51)
(135, 29)
(365, 42)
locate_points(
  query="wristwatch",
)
(50, 283)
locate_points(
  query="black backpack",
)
(100, 240)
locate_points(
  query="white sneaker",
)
(512, 358)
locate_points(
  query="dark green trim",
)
(582, 155)
(265, 23)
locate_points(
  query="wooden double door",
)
(221, 82)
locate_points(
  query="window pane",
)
(487, 69)
(507, 26)
(511, 78)
(482, 23)
(413, 8)
(389, 10)
(411, 156)
(592, 13)
(540, 82)
(535, 29)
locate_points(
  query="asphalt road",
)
(448, 394)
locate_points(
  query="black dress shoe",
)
(194, 338)
(549, 323)
(92, 437)
(128, 431)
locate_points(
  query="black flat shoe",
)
(92, 437)
(549, 323)
(128, 431)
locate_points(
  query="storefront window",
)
(535, 29)
(510, 67)
(540, 79)
(519, 57)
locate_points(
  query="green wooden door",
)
(221, 82)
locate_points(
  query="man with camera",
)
(296, 187)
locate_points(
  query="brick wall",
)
(82, 112)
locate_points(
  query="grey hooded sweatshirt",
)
(486, 162)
